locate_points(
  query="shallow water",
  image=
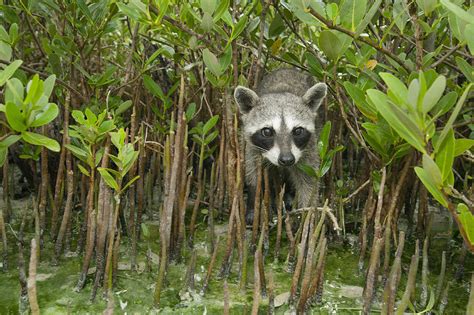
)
(133, 294)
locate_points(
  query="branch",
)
(384, 51)
(32, 297)
(449, 53)
(418, 36)
(263, 15)
(324, 208)
(45, 75)
(356, 135)
(345, 200)
(459, 195)
(184, 28)
(297, 34)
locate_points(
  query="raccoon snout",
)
(286, 159)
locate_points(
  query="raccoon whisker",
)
(266, 163)
(307, 150)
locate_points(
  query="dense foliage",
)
(148, 84)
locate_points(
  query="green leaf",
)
(396, 86)
(207, 23)
(323, 142)
(83, 170)
(123, 107)
(454, 114)
(8, 141)
(3, 155)
(34, 90)
(13, 33)
(445, 156)
(153, 88)
(462, 145)
(4, 35)
(238, 28)
(402, 150)
(427, 6)
(374, 143)
(14, 92)
(466, 219)
(428, 183)
(432, 170)
(463, 15)
(133, 9)
(398, 120)
(84, 9)
(118, 138)
(445, 104)
(423, 87)
(90, 116)
(469, 36)
(211, 62)
(277, 26)
(5, 51)
(465, 68)
(190, 111)
(325, 166)
(37, 139)
(226, 58)
(49, 113)
(413, 94)
(221, 9)
(129, 163)
(352, 12)
(78, 117)
(313, 62)
(400, 14)
(211, 137)
(208, 6)
(106, 126)
(15, 117)
(9, 70)
(382, 132)
(133, 180)
(49, 85)
(358, 97)
(163, 5)
(308, 170)
(330, 43)
(368, 17)
(109, 180)
(434, 93)
(210, 124)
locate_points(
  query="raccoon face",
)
(280, 125)
(282, 146)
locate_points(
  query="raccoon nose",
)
(286, 159)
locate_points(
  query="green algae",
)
(133, 293)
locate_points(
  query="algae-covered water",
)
(343, 283)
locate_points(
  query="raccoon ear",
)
(314, 96)
(245, 98)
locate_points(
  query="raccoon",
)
(279, 123)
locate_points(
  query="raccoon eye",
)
(298, 131)
(267, 132)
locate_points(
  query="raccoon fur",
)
(279, 124)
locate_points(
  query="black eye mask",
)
(263, 139)
(301, 137)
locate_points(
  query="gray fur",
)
(285, 99)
